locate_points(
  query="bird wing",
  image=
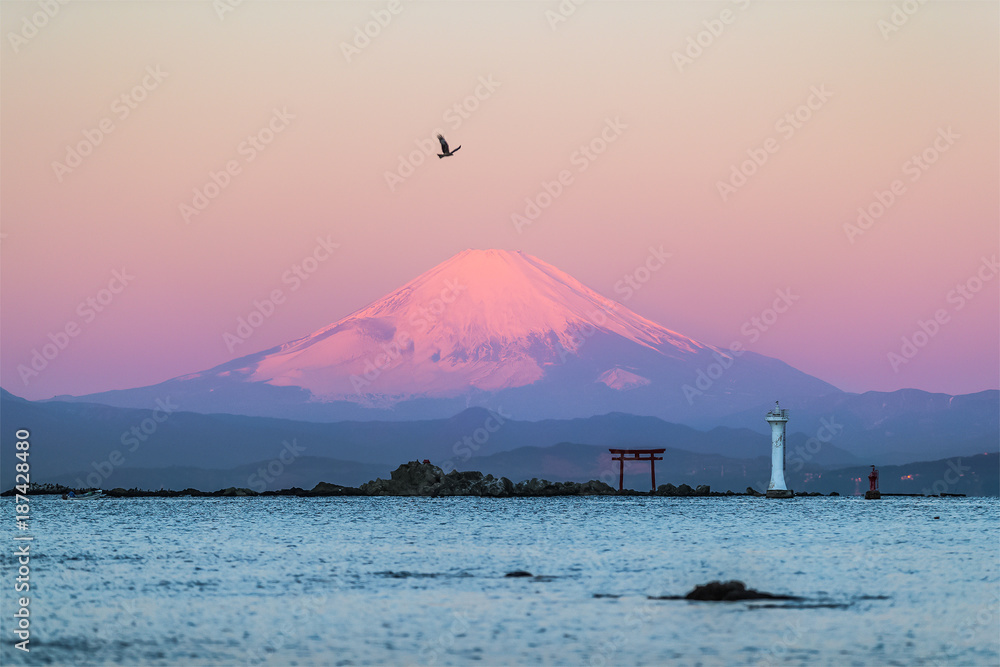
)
(444, 144)
(456, 150)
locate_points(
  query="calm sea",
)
(356, 581)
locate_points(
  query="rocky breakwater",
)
(684, 490)
(425, 479)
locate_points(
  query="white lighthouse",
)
(777, 488)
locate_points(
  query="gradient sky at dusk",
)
(555, 89)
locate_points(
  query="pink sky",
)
(885, 97)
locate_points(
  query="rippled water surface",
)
(421, 581)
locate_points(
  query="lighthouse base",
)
(873, 495)
(780, 493)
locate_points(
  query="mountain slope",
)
(487, 328)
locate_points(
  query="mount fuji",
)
(489, 328)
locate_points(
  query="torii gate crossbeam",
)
(623, 455)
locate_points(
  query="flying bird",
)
(444, 147)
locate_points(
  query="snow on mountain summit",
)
(483, 319)
(485, 328)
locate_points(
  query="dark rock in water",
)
(233, 491)
(418, 478)
(597, 488)
(293, 491)
(519, 573)
(753, 492)
(535, 487)
(421, 478)
(456, 483)
(327, 489)
(410, 479)
(834, 493)
(682, 490)
(730, 591)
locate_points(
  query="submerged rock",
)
(327, 489)
(730, 591)
(519, 573)
(543, 487)
(233, 491)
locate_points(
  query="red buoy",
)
(873, 492)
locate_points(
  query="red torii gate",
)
(623, 455)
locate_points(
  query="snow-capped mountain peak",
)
(483, 319)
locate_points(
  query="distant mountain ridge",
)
(976, 475)
(76, 438)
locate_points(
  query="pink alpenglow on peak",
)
(484, 319)
(485, 328)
